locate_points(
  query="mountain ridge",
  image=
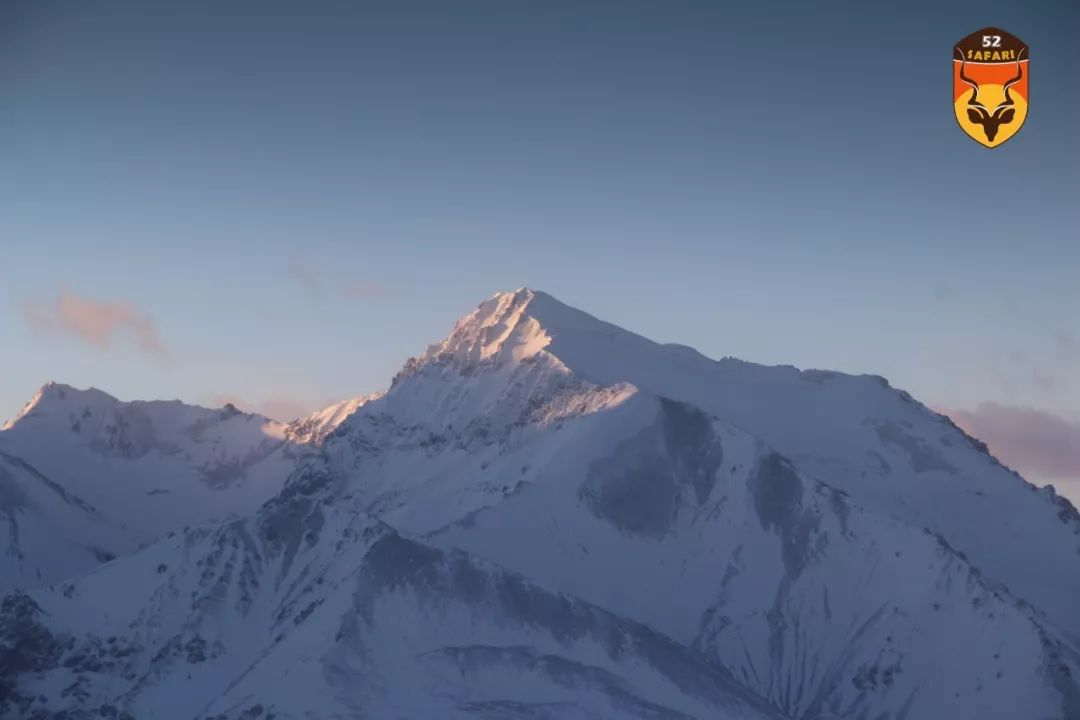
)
(828, 410)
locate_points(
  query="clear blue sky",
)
(301, 198)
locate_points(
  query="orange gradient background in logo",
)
(989, 74)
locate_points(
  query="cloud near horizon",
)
(282, 409)
(96, 323)
(1035, 442)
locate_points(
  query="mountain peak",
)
(516, 325)
(61, 403)
(499, 325)
(54, 396)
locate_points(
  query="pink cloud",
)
(96, 323)
(363, 290)
(1035, 442)
(1066, 344)
(314, 282)
(306, 276)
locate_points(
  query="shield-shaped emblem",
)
(990, 85)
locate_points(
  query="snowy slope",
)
(313, 610)
(47, 533)
(547, 516)
(812, 601)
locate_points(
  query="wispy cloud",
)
(97, 323)
(363, 290)
(941, 292)
(1035, 442)
(306, 276)
(316, 283)
(1066, 344)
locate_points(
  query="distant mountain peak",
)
(53, 391)
(59, 397)
(314, 428)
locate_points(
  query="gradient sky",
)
(280, 202)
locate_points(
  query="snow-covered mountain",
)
(110, 476)
(548, 516)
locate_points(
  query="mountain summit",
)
(548, 516)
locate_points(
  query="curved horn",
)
(974, 86)
(1010, 83)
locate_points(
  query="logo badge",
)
(990, 85)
